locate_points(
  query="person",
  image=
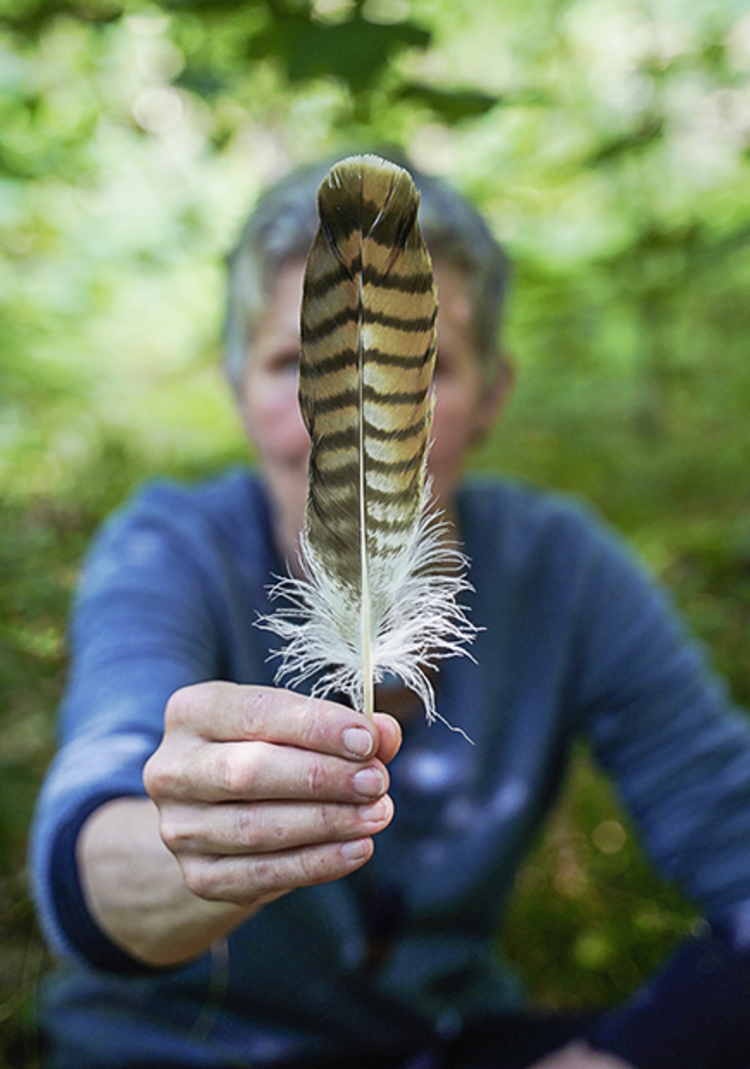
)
(203, 849)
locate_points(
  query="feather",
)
(380, 576)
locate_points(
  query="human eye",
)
(285, 362)
(443, 366)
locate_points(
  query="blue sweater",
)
(575, 642)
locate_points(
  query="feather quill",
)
(380, 577)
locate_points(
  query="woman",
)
(236, 913)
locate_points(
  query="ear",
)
(496, 396)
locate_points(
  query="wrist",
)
(134, 892)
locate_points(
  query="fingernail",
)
(355, 850)
(375, 812)
(369, 782)
(358, 741)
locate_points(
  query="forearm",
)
(135, 890)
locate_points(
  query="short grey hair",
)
(283, 225)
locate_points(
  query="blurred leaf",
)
(450, 105)
(651, 129)
(356, 51)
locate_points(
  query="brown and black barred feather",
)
(381, 581)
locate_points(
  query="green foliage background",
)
(608, 141)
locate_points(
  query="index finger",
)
(231, 712)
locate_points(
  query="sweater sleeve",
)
(143, 625)
(663, 728)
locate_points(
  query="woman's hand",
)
(254, 791)
(262, 790)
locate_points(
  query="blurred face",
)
(270, 410)
(465, 405)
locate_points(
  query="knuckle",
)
(229, 775)
(316, 866)
(316, 778)
(321, 724)
(174, 832)
(170, 835)
(158, 777)
(198, 876)
(310, 867)
(328, 819)
(267, 875)
(151, 776)
(186, 705)
(260, 709)
(180, 707)
(312, 723)
(249, 826)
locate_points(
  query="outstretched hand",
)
(261, 790)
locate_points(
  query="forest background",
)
(608, 142)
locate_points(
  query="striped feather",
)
(381, 581)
